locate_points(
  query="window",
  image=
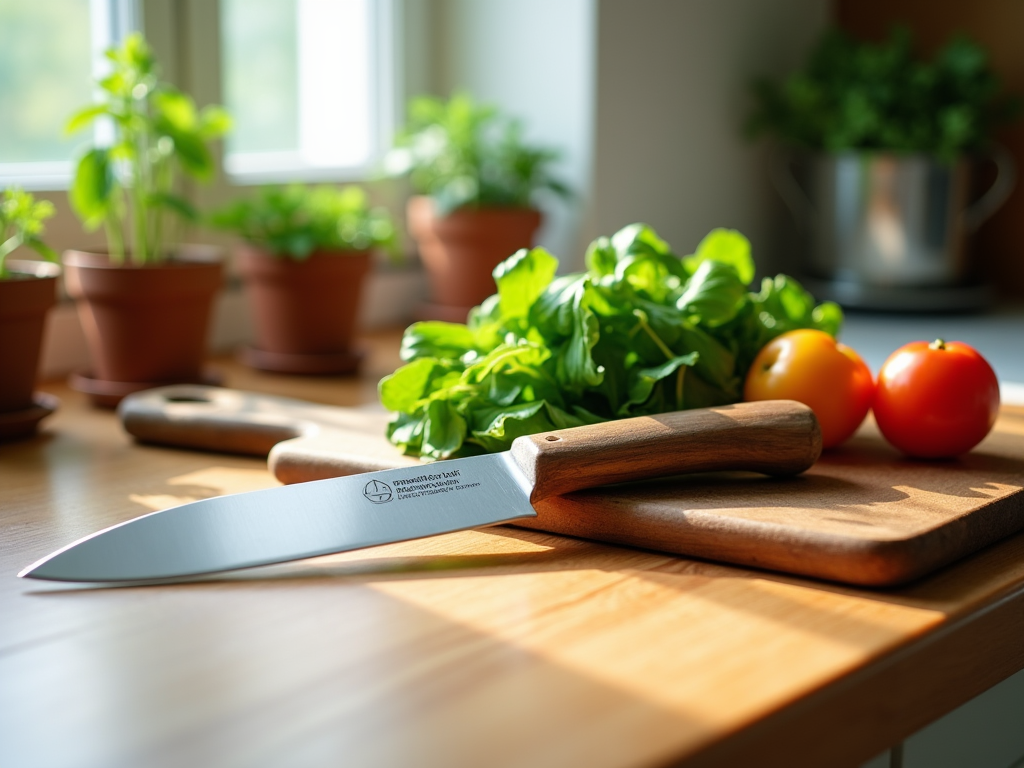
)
(310, 86)
(49, 54)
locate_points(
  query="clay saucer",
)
(15, 425)
(315, 364)
(107, 394)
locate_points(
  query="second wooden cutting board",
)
(862, 515)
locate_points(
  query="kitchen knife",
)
(340, 514)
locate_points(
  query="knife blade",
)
(323, 517)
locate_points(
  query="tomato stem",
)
(937, 344)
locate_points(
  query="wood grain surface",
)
(499, 647)
(862, 515)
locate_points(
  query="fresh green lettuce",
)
(642, 331)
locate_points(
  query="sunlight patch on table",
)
(206, 483)
(752, 641)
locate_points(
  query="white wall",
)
(647, 99)
(535, 58)
(672, 93)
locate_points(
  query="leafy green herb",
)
(21, 223)
(641, 331)
(127, 186)
(461, 153)
(296, 220)
(859, 95)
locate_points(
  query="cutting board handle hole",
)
(187, 399)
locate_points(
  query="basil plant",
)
(462, 153)
(295, 220)
(21, 223)
(127, 185)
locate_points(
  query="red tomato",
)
(936, 400)
(811, 367)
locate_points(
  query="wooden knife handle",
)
(776, 437)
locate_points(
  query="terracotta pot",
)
(461, 250)
(25, 300)
(304, 312)
(144, 325)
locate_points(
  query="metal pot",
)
(885, 230)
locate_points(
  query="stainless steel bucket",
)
(886, 229)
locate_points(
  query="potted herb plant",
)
(306, 254)
(145, 306)
(27, 291)
(476, 183)
(881, 146)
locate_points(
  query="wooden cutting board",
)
(862, 515)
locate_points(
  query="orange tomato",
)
(811, 367)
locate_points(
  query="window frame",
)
(256, 168)
(110, 21)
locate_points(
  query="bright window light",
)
(49, 53)
(308, 83)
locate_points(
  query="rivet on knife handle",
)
(776, 437)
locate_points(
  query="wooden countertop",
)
(498, 647)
